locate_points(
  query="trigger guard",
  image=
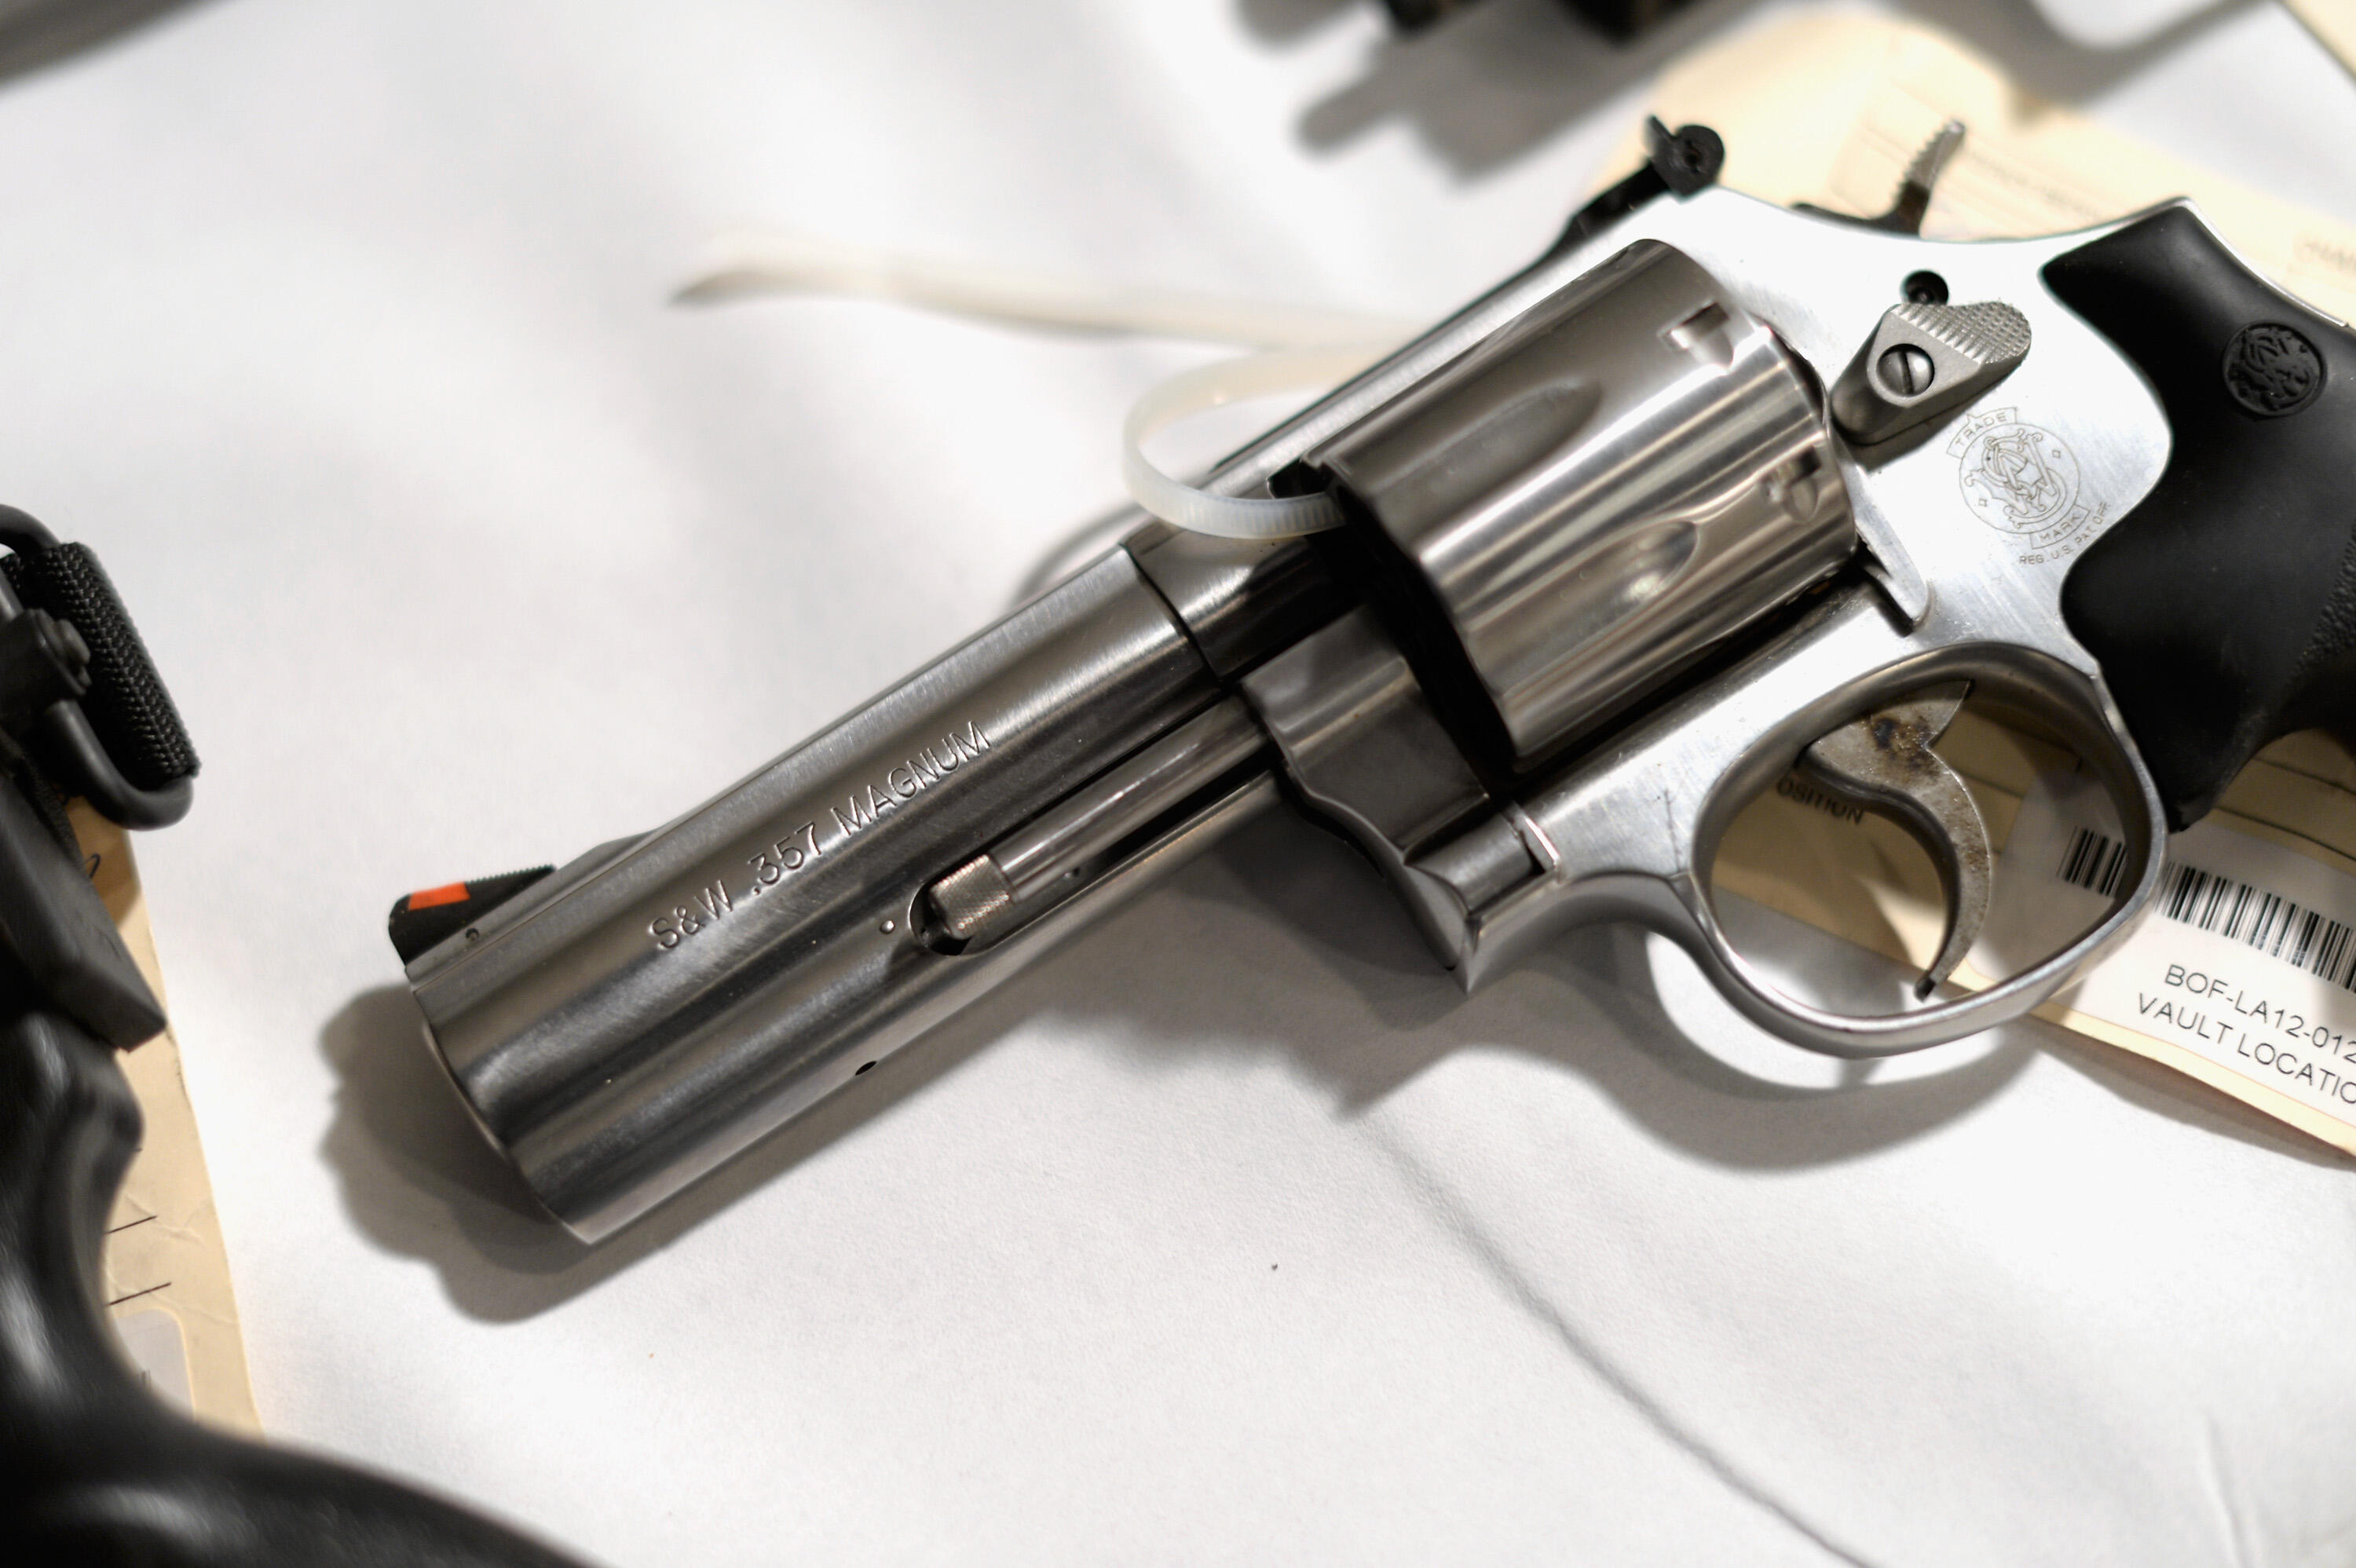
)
(1635, 830)
(2095, 737)
(1865, 1037)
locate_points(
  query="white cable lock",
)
(1198, 391)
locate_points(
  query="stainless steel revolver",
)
(1713, 490)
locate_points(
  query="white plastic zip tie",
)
(1198, 391)
(1310, 349)
(793, 263)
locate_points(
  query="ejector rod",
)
(998, 889)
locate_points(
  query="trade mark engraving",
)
(2022, 479)
(2272, 369)
(2015, 476)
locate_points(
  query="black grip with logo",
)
(2223, 608)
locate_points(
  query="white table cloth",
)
(1234, 1233)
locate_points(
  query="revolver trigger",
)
(1884, 763)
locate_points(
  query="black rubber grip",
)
(96, 1469)
(2223, 608)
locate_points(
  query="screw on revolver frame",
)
(1925, 288)
(1907, 369)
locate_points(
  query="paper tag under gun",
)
(2244, 974)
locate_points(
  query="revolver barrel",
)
(638, 1017)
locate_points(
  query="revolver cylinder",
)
(1602, 490)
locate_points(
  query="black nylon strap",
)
(127, 705)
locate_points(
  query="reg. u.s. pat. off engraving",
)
(2022, 479)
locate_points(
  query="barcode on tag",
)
(2268, 922)
(2093, 861)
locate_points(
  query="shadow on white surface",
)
(39, 33)
(419, 1180)
(1498, 79)
(1282, 21)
